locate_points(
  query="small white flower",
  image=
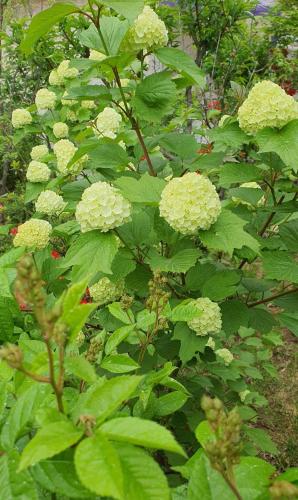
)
(65, 71)
(243, 395)
(95, 55)
(64, 151)
(54, 78)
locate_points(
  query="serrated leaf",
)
(191, 344)
(221, 285)
(146, 190)
(183, 145)
(228, 137)
(15, 485)
(181, 62)
(130, 9)
(117, 337)
(289, 234)
(59, 477)
(185, 311)
(234, 173)
(282, 142)
(81, 368)
(180, 262)
(119, 363)
(279, 265)
(154, 97)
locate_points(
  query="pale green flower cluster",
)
(45, 99)
(37, 172)
(64, 71)
(148, 31)
(102, 207)
(210, 319)
(71, 115)
(226, 355)
(105, 291)
(95, 55)
(267, 105)
(64, 151)
(243, 395)
(34, 233)
(190, 203)
(38, 152)
(54, 78)
(88, 104)
(49, 203)
(108, 122)
(60, 130)
(20, 117)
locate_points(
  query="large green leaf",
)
(191, 344)
(143, 478)
(6, 320)
(119, 363)
(180, 262)
(289, 235)
(146, 190)
(81, 368)
(15, 485)
(221, 285)
(230, 137)
(170, 403)
(227, 234)
(49, 441)
(98, 467)
(206, 483)
(117, 337)
(181, 62)
(234, 315)
(283, 142)
(252, 477)
(9, 258)
(127, 8)
(185, 311)
(154, 97)
(142, 433)
(43, 22)
(279, 265)
(113, 31)
(183, 145)
(234, 173)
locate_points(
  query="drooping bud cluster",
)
(12, 354)
(64, 151)
(105, 291)
(226, 355)
(37, 172)
(34, 233)
(65, 71)
(108, 122)
(102, 207)
(20, 117)
(157, 299)
(147, 32)
(38, 152)
(267, 105)
(45, 99)
(190, 203)
(60, 130)
(49, 203)
(210, 319)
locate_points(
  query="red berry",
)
(14, 230)
(84, 301)
(55, 254)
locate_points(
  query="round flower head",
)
(35, 234)
(190, 203)
(210, 319)
(49, 203)
(45, 99)
(20, 117)
(37, 172)
(267, 105)
(102, 207)
(106, 291)
(64, 151)
(64, 71)
(38, 152)
(88, 104)
(60, 130)
(148, 31)
(226, 355)
(95, 55)
(108, 121)
(54, 78)
(71, 116)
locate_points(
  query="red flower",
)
(214, 104)
(14, 230)
(55, 254)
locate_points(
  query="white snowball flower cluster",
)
(34, 233)
(267, 105)
(148, 31)
(71, 115)
(65, 71)
(190, 203)
(64, 151)
(95, 55)
(37, 172)
(49, 203)
(60, 130)
(210, 319)
(45, 99)
(88, 104)
(226, 355)
(102, 207)
(108, 122)
(54, 78)
(20, 117)
(38, 152)
(105, 291)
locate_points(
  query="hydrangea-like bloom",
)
(64, 151)
(210, 319)
(267, 105)
(20, 117)
(49, 203)
(148, 31)
(95, 55)
(54, 78)
(226, 355)
(64, 71)
(108, 121)
(60, 130)
(45, 99)
(34, 233)
(190, 203)
(71, 116)
(88, 104)
(38, 152)
(102, 207)
(105, 291)
(37, 172)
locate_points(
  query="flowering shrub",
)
(132, 290)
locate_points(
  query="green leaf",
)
(130, 9)
(185, 311)
(290, 321)
(206, 483)
(6, 320)
(261, 440)
(8, 259)
(228, 137)
(98, 467)
(141, 432)
(146, 190)
(118, 312)
(43, 22)
(90, 38)
(290, 475)
(221, 285)
(279, 265)
(117, 337)
(92, 251)
(33, 190)
(191, 343)
(227, 234)
(204, 433)
(179, 263)
(15, 485)
(81, 368)
(289, 234)
(49, 441)
(154, 97)
(252, 477)
(108, 156)
(282, 142)
(119, 363)
(113, 31)
(234, 173)
(183, 145)
(143, 478)
(170, 403)
(234, 315)
(182, 63)
(73, 296)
